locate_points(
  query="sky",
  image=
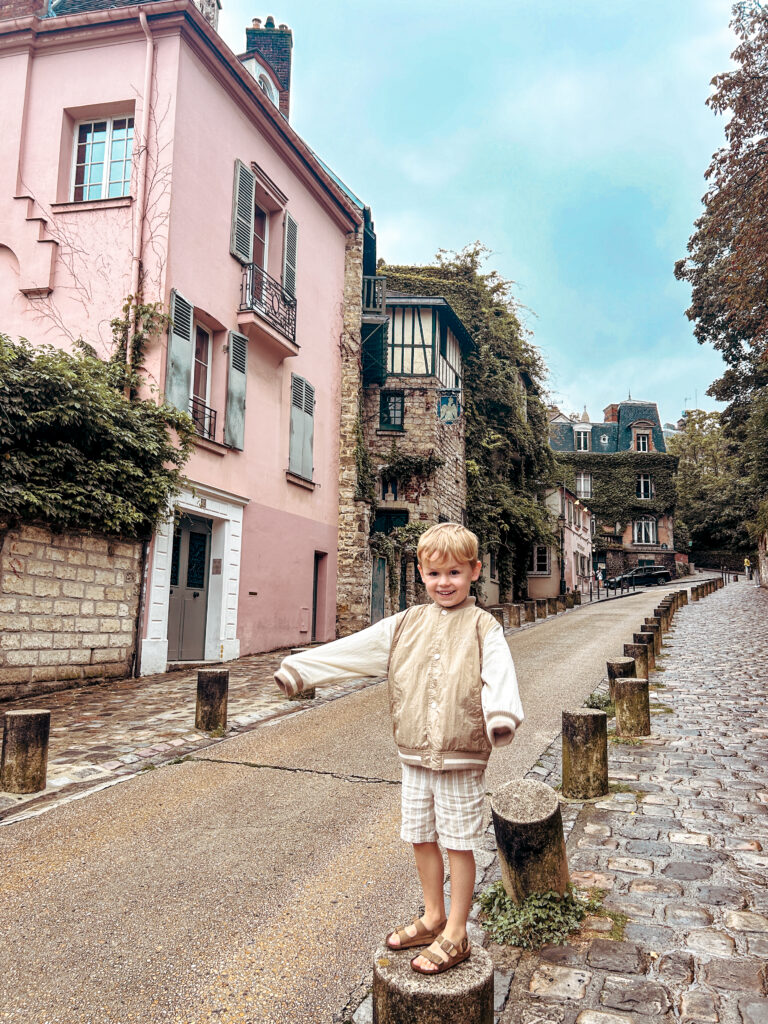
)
(571, 138)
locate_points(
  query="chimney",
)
(275, 45)
(611, 414)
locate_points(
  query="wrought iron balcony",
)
(204, 419)
(262, 294)
(374, 294)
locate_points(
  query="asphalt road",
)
(254, 882)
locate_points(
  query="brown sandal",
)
(454, 955)
(423, 934)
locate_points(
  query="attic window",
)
(603, 439)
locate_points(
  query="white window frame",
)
(644, 531)
(583, 483)
(106, 163)
(646, 441)
(581, 440)
(195, 327)
(534, 561)
(643, 492)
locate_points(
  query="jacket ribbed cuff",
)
(501, 722)
(289, 680)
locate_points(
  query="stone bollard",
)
(561, 604)
(577, 597)
(639, 652)
(551, 606)
(529, 611)
(515, 615)
(663, 613)
(463, 995)
(212, 691)
(497, 612)
(541, 607)
(585, 754)
(654, 626)
(570, 601)
(633, 715)
(683, 597)
(647, 639)
(618, 667)
(529, 837)
(695, 593)
(24, 761)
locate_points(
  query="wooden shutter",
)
(237, 378)
(300, 457)
(290, 245)
(243, 199)
(178, 376)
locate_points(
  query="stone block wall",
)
(68, 606)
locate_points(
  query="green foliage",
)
(405, 468)
(600, 702)
(365, 486)
(76, 454)
(139, 323)
(401, 543)
(540, 919)
(507, 450)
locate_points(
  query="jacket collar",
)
(468, 602)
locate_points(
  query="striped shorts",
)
(447, 806)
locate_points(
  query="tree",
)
(507, 448)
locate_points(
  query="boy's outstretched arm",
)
(502, 709)
(362, 654)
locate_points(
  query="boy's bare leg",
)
(462, 889)
(429, 864)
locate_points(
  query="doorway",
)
(188, 604)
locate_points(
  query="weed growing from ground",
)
(540, 919)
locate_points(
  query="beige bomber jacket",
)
(452, 687)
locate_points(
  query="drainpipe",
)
(141, 177)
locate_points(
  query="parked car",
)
(642, 576)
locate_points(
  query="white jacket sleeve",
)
(502, 709)
(362, 654)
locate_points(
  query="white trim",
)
(107, 163)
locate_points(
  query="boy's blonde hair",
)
(447, 541)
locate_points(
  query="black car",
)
(642, 576)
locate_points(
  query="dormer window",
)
(642, 442)
(582, 440)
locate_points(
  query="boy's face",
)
(447, 582)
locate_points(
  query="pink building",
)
(140, 152)
(566, 566)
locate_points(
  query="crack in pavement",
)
(299, 771)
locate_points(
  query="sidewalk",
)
(679, 847)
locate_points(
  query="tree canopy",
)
(507, 449)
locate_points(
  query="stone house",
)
(140, 152)
(566, 566)
(621, 467)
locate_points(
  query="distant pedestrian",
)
(453, 696)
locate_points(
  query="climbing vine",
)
(401, 543)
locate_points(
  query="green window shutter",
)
(178, 374)
(295, 461)
(243, 198)
(237, 378)
(290, 246)
(307, 452)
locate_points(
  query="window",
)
(577, 516)
(389, 488)
(493, 569)
(583, 485)
(300, 458)
(582, 440)
(644, 485)
(644, 531)
(642, 442)
(391, 407)
(569, 506)
(204, 417)
(102, 159)
(538, 563)
(387, 520)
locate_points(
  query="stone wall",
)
(762, 559)
(353, 586)
(68, 606)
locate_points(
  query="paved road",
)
(253, 882)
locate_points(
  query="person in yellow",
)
(453, 696)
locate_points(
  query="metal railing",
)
(374, 294)
(204, 418)
(264, 295)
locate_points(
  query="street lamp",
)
(561, 522)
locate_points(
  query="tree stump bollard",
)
(562, 604)
(695, 593)
(654, 626)
(463, 995)
(541, 607)
(639, 652)
(662, 612)
(585, 753)
(497, 612)
(570, 601)
(577, 597)
(683, 598)
(212, 692)
(24, 761)
(647, 639)
(618, 667)
(529, 837)
(529, 611)
(633, 715)
(515, 612)
(551, 606)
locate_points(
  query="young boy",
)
(453, 696)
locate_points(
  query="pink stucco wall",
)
(202, 121)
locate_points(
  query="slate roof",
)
(611, 437)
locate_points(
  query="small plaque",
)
(202, 503)
(215, 567)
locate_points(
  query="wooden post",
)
(529, 837)
(561, 604)
(647, 639)
(463, 995)
(212, 691)
(570, 601)
(639, 652)
(497, 612)
(683, 597)
(633, 715)
(577, 597)
(585, 753)
(654, 626)
(541, 607)
(515, 613)
(618, 667)
(529, 610)
(695, 593)
(662, 612)
(24, 761)
(551, 606)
